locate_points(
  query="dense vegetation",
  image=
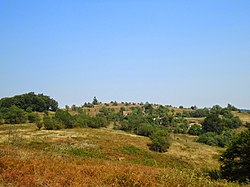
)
(18, 109)
(30, 102)
(236, 159)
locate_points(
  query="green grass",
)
(94, 153)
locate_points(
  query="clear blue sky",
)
(169, 52)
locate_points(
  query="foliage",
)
(30, 102)
(85, 152)
(212, 123)
(160, 141)
(13, 115)
(236, 159)
(95, 101)
(221, 140)
(33, 117)
(97, 122)
(145, 129)
(65, 118)
(50, 123)
(195, 130)
(200, 113)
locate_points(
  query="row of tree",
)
(204, 112)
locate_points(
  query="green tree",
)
(236, 159)
(195, 130)
(65, 118)
(50, 123)
(145, 129)
(30, 102)
(67, 107)
(160, 141)
(14, 115)
(97, 122)
(33, 117)
(95, 101)
(212, 123)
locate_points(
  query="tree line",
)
(18, 109)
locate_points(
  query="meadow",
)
(101, 157)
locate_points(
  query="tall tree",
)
(236, 159)
(95, 101)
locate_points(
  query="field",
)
(101, 157)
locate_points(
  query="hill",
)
(101, 157)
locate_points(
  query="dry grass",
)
(244, 117)
(100, 157)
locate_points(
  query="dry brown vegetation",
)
(100, 157)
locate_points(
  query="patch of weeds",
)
(39, 145)
(139, 155)
(87, 152)
(134, 151)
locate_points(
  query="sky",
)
(183, 52)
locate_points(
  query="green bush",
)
(33, 117)
(221, 140)
(13, 115)
(195, 130)
(50, 123)
(160, 141)
(65, 118)
(97, 122)
(145, 129)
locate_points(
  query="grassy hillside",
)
(100, 157)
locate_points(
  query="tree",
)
(145, 129)
(65, 118)
(148, 108)
(195, 130)
(236, 159)
(14, 115)
(30, 102)
(212, 123)
(216, 109)
(33, 117)
(95, 101)
(160, 141)
(67, 107)
(50, 123)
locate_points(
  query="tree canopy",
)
(30, 102)
(236, 159)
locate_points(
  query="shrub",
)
(145, 129)
(208, 138)
(14, 115)
(51, 123)
(97, 122)
(211, 138)
(65, 118)
(160, 141)
(195, 130)
(33, 117)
